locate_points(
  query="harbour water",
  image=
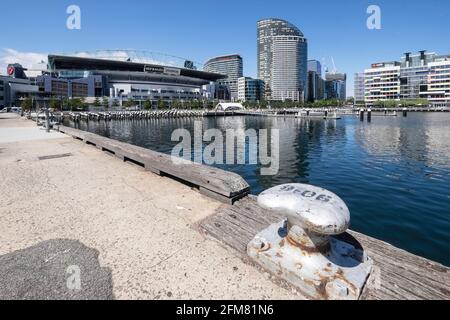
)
(393, 173)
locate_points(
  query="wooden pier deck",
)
(398, 275)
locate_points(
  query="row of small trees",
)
(80, 104)
(401, 103)
(174, 104)
(293, 104)
(57, 104)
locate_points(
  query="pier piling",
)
(361, 114)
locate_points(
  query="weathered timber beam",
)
(219, 184)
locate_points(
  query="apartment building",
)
(437, 89)
(382, 82)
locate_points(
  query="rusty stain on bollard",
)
(302, 249)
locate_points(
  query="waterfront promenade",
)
(131, 233)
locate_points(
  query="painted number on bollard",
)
(307, 193)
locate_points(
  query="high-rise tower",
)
(282, 59)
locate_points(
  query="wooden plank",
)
(398, 275)
(225, 199)
(226, 185)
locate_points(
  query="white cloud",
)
(124, 55)
(36, 62)
(30, 60)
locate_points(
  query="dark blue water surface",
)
(393, 173)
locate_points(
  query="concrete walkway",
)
(64, 204)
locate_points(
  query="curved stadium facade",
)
(71, 76)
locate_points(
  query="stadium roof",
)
(60, 62)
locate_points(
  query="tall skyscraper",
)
(315, 66)
(316, 84)
(316, 87)
(282, 59)
(336, 86)
(232, 67)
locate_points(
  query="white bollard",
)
(302, 249)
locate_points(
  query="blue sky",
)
(200, 29)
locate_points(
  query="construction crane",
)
(334, 66)
(324, 65)
(327, 68)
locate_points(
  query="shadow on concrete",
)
(49, 271)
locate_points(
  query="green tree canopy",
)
(97, 102)
(77, 104)
(176, 104)
(105, 102)
(54, 104)
(130, 103)
(27, 104)
(161, 104)
(147, 104)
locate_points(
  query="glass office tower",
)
(278, 40)
(232, 67)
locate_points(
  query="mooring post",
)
(302, 250)
(361, 114)
(369, 115)
(405, 112)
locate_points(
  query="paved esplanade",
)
(64, 204)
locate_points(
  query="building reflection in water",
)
(423, 138)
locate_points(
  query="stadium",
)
(125, 75)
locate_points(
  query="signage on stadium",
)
(172, 71)
(163, 70)
(153, 69)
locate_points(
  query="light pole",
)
(47, 117)
(34, 104)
